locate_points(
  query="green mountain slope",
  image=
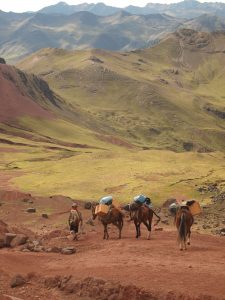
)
(163, 97)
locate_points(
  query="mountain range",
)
(170, 96)
(23, 34)
(184, 9)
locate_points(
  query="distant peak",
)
(62, 3)
(123, 13)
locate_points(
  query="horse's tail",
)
(182, 230)
(159, 219)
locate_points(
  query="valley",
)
(108, 102)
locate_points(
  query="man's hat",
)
(74, 205)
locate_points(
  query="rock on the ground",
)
(20, 239)
(25, 250)
(31, 245)
(169, 201)
(8, 238)
(165, 221)
(68, 250)
(25, 200)
(87, 205)
(158, 229)
(31, 210)
(2, 60)
(45, 216)
(222, 232)
(54, 249)
(2, 242)
(90, 222)
(17, 280)
(38, 248)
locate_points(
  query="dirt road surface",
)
(156, 265)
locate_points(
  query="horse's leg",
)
(137, 232)
(105, 231)
(139, 229)
(185, 244)
(189, 231)
(189, 237)
(148, 226)
(120, 228)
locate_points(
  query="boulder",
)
(2, 242)
(2, 61)
(68, 250)
(158, 229)
(25, 250)
(17, 280)
(55, 249)
(222, 232)
(31, 245)
(25, 200)
(87, 205)
(168, 202)
(165, 221)
(8, 238)
(20, 239)
(38, 249)
(90, 222)
(31, 210)
(45, 216)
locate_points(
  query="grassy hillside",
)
(166, 97)
(148, 121)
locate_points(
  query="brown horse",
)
(114, 216)
(141, 214)
(183, 221)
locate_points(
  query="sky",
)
(34, 5)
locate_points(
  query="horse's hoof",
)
(181, 249)
(185, 249)
(189, 243)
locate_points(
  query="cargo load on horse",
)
(108, 212)
(105, 204)
(192, 205)
(184, 213)
(141, 212)
(143, 200)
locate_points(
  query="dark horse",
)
(183, 221)
(141, 214)
(114, 216)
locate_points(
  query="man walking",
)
(75, 219)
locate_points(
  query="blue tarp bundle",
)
(140, 198)
(107, 200)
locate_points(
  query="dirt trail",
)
(156, 265)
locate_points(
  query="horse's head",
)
(93, 206)
(131, 208)
(125, 207)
